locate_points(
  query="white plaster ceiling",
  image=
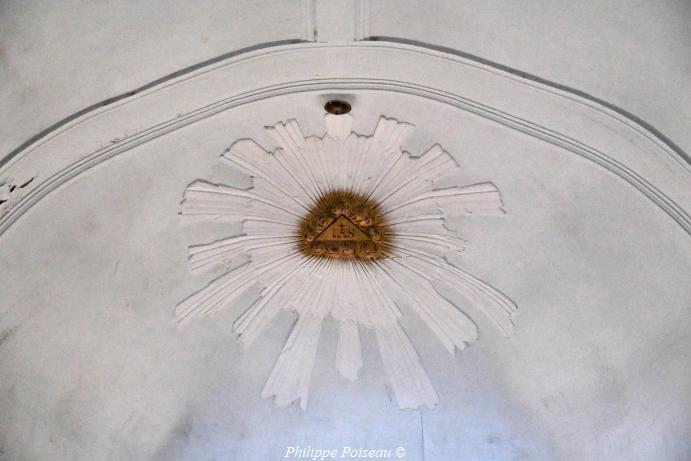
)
(594, 248)
(59, 58)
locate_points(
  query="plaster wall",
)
(92, 365)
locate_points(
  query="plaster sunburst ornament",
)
(348, 226)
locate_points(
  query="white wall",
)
(635, 54)
(56, 58)
(93, 367)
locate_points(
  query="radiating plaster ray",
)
(348, 351)
(286, 183)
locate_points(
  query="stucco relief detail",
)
(411, 269)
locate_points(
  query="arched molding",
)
(563, 118)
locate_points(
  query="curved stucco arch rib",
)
(551, 114)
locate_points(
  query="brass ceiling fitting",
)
(337, 107)
(344, 225)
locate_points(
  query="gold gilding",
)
(346, 226)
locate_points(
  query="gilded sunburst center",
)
(345, 225)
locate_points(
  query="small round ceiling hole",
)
(337, 107)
